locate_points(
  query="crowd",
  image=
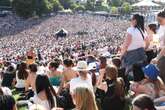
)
(111, 66)
(83, 30)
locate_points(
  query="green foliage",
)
(73, 6)
(5, 3)
(115, 3)
(43, 7)
(126, 7)
(90, 6)
(114, 10)
(102, 7)
(24, 8)
(66, 3)
(79, 8)
(56, 5)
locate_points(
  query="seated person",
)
(84, 78)
(143, 102)
(7, 102)
(111, 92)
(5, 91)
(55, 75)
(8, 77)
(21, 76)
(68, 74)
(30, 82)
(45, 94)
(152, 84)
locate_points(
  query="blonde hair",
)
(84, 99)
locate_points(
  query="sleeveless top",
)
(44, 103)
(55, 81)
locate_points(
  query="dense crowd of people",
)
(84, 30)
(102, 64)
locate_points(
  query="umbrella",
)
(145, 3)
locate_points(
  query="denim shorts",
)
(133, 57)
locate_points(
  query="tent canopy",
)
(61, 33)
(145, 3)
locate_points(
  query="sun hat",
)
(82, 66)
(151, 71)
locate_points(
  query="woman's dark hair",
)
(138, 74)
(55, 64)
(6, 102)
(1, 92)
(140, 21)
(162, 14)
(117, 62)
(43, 84)
(153, 27)
(68, 62)
(22, 71)
(33, 68)
(10, 69)
(144, 102)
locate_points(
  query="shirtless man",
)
(30, 82)
(68, 74)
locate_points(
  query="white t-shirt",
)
(161, 35)
(44, 103)
(137, 38)
(79, 82)
(6, 91)
(20, 82)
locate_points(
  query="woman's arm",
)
(160, 108)
(61, 85)
(160, 99)
(126, 44)
(147, 42)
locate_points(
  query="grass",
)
(16, 96)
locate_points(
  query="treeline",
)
(29, 8)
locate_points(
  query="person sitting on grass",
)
(68, 74)
(55, 75)
(7, 102)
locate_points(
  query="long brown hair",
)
(22, 71)
(84, 99)
(112, 73)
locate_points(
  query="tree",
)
(115, 3)
(43, 7)
(66, 3)
(114, 10)
(126, 7)
(24, 8)
(79, 8)
(102, 7)
(5, 3)
(90, 5)
(56, 5)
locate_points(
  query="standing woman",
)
(160, 59)
(136, 41)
